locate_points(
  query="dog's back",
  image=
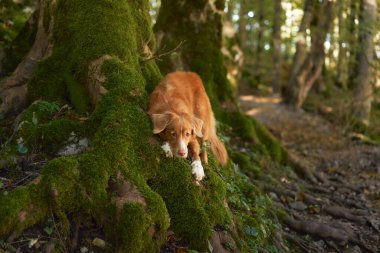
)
(183, 92)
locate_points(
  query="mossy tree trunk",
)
(93, 57)
(198, 24)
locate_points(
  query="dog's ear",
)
(160, 121)
(197, 126)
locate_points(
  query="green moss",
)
(251, 130)
(77, 94)
(25, 199)
(40, 132)
(200, 53)
(246, 163)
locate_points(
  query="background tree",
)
(363, 92)
(277, 61)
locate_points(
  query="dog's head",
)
(177, 130)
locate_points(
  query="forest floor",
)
(333, 203)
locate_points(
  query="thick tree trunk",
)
(94, 54)
(310, 70)
(363, 92)
(277, 59)
(199, 25)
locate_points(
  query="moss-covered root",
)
(252, 131)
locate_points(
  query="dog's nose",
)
(181, 153)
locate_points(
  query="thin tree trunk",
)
(341, 65)
(363, 92)
(230, 11)
(353, 43)
(277, 59)
(259, 41)
(243, 24)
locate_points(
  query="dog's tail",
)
(218, 149)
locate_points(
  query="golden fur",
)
(182, 115)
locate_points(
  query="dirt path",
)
(335, 205)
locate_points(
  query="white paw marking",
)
(167, 149)
(197, 170)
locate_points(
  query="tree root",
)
(318, 229)
(341, 212)
(302, 168)
(13, 90)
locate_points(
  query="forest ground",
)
(333, 203)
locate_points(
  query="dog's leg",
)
(167, 149)
(196, 165)
(203, 153)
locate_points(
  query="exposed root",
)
(318, 229)
(13, 90)
(302, 168)
(341, 212)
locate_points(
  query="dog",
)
(182, 116)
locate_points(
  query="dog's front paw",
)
(167, 149)
(197, 170)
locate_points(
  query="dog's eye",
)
(187, 134)
(174, 135)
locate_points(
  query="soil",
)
(333, 203)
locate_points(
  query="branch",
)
(158, 57)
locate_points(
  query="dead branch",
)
(159, 56)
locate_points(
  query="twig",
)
(158, 57)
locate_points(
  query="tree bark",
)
(353, 43)
(277, 59)
(14, 88)
(259, 41)
(305, 73)
(341, 74)
(363, 92)
(291, 90)
(243, 24)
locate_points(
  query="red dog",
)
(182, 116)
